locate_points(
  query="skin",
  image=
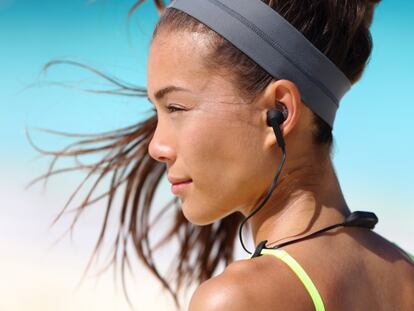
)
(224, 145)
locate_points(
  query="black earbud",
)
(275, 118)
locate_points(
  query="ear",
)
(288, 94)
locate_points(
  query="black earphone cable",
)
(355, 219)
(275, 118)
(309, 235)
(272, 187)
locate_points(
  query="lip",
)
(174, 180)
(178, 187)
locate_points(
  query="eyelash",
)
(171, 109)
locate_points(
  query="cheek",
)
(227, 164)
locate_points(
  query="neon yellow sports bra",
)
(300, 273)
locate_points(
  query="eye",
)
(172, 109)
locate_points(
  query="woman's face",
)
(215, 139)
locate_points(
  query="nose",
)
(161, 145)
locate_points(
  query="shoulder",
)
(263, 283)
(222, 292)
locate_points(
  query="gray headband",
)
(276, 46)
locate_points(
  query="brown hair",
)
(339, 29)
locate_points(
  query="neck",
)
(304, 200)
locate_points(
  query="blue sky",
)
(373, 129)
(373, 132)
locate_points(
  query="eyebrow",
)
(164, 91)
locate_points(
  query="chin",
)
(195, 217)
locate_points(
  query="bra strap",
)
(300, 273)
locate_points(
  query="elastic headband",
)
(276, 46)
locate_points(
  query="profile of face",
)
(206, 132)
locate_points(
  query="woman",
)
(211, 135)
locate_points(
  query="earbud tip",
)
(275, 117)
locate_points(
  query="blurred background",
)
(373, 152)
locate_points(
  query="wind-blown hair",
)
(339, 29)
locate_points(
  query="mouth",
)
(179, 187)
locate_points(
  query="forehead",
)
(177, 59)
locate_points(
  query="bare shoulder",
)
(262, 283)
(219, 293)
